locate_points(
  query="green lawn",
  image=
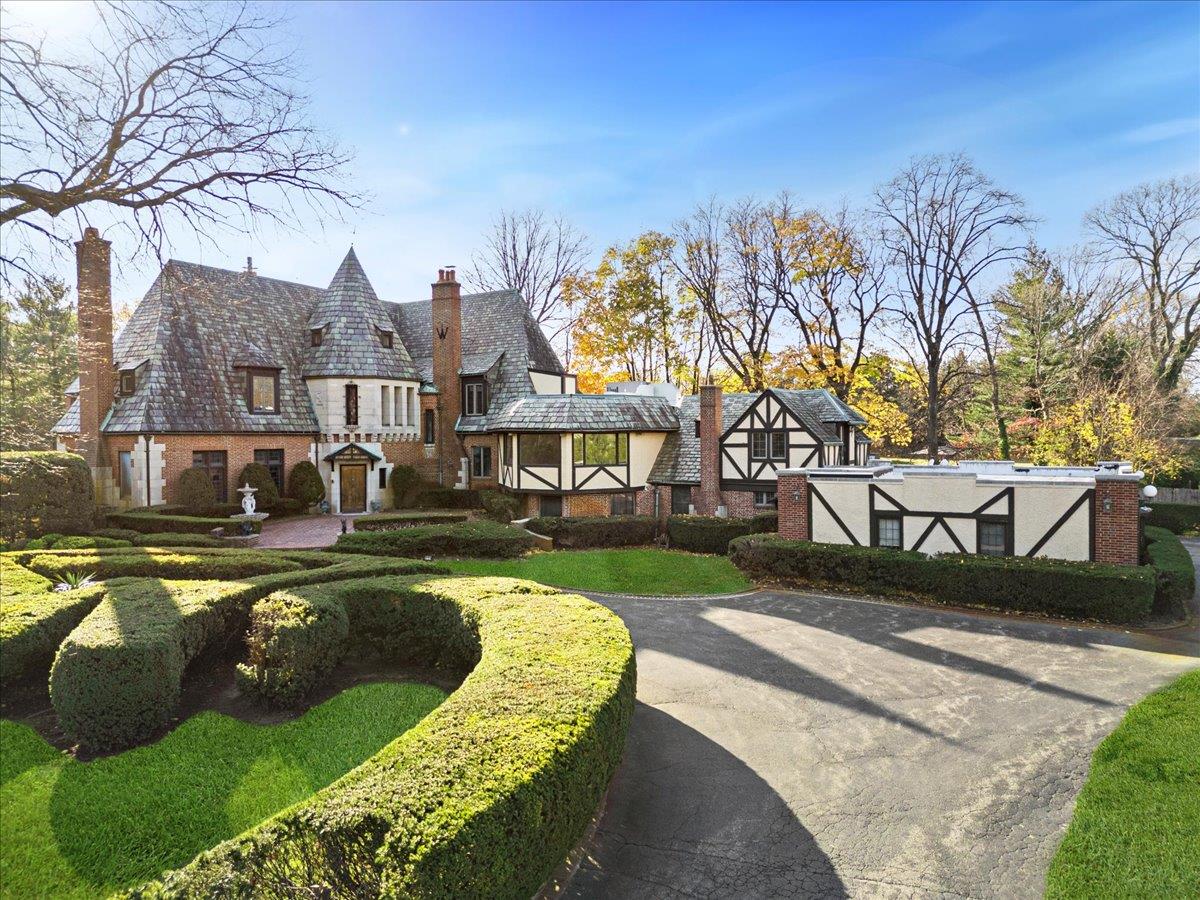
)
(1136, 830)
(619, 571)
(71, 829)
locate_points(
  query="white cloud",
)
(1162, 131)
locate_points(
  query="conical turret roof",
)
(352, 319)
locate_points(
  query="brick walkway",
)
(302, 532)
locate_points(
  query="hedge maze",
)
(483, 798)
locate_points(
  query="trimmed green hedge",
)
(1174, 571)
(712, 534)
(390, 521)
(293, 643)
(447, 498)
(157, 523)
(1073, 590)
(116, 679)
(151, 562)
(601, 531)
(120, 534)
(172, 539)
(44, 491)
(482, 538)
(1181, 518)
(500, 506)
(487, 795)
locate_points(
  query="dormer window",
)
(474, 397)
(128, 383)
(385, 339)
(262, 390)
(317, 334)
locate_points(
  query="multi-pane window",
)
(768, 444)
(273, 460)
(993, 538)
(213, 462)
(263, 394)
(352, 404)
(125, 460)
(888, 532)
(601, 449)
(474, 398)
(681, 499)
(541, 450)
(481, 462)
(623, 504)
(765, 499)
(778, 445)
(430, 436)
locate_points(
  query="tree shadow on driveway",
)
(687, 818)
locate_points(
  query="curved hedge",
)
(390, 521)
(156, 523)
(1181, 518)
(1174, 570)
(488, 794)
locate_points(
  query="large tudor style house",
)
(219, 368)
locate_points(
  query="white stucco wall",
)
(736, 462)
(643, 451)
(329, 403)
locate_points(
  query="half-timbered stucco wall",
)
(768, 414)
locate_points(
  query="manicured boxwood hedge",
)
(482, 538)
(712, 534)
(151, 562)
(390, 521)
(447, 498)
(1073, 590)
(1174, 570)
(170, 539)
(117, 676)
(154, 523)
(486, 796)
(44, 491)
(292, 644)
(601, 531)
(1181, 518)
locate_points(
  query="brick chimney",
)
(95, 345)
(710, 452)
(447, 361)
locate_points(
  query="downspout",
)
(146, 437)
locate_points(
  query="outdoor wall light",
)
(1106, 504)
(795, 495)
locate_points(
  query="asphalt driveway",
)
(796, 745)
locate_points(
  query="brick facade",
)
(447, 362)
(793, 506)
(1116, 529)
(490, 482)
(239, 450)
(709, 495)
(95, 344)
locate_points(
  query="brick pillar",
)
(708, 497)
(1116, 528)
(95, 345)
(792, 495)
(447, 361)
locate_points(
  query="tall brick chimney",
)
(710, 452)
(447, 361)
(95, 345)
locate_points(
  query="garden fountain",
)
(247, 517)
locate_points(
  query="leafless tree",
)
(732, 260)
(530, 253)
(839, 292)
(945, 225)
(179, 114)
(1154, 231)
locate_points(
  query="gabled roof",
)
(585, 412)
(352, 319)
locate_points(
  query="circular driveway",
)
(792, 745)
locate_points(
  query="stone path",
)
(302, 532)
(800, 745)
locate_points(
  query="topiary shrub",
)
(293, 643)
(194, 490)
(601, 531)
(709, 534)
(1073, 590)
(44, 491)
(259, 476)
(499, 506)
(479, 539)
(403, 482)
(1175, 573)
(305, 484)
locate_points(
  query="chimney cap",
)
(91, 232)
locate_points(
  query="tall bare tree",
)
(732, 259)
(839, 292)
(1154, 230)
(945, 225)
(180, 114)
(528, 252)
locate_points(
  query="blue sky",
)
(622, 117)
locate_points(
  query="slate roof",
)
(352, 317)
(198, 325)
(679, 458)
(586, 412)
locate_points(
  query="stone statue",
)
(247, 499)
